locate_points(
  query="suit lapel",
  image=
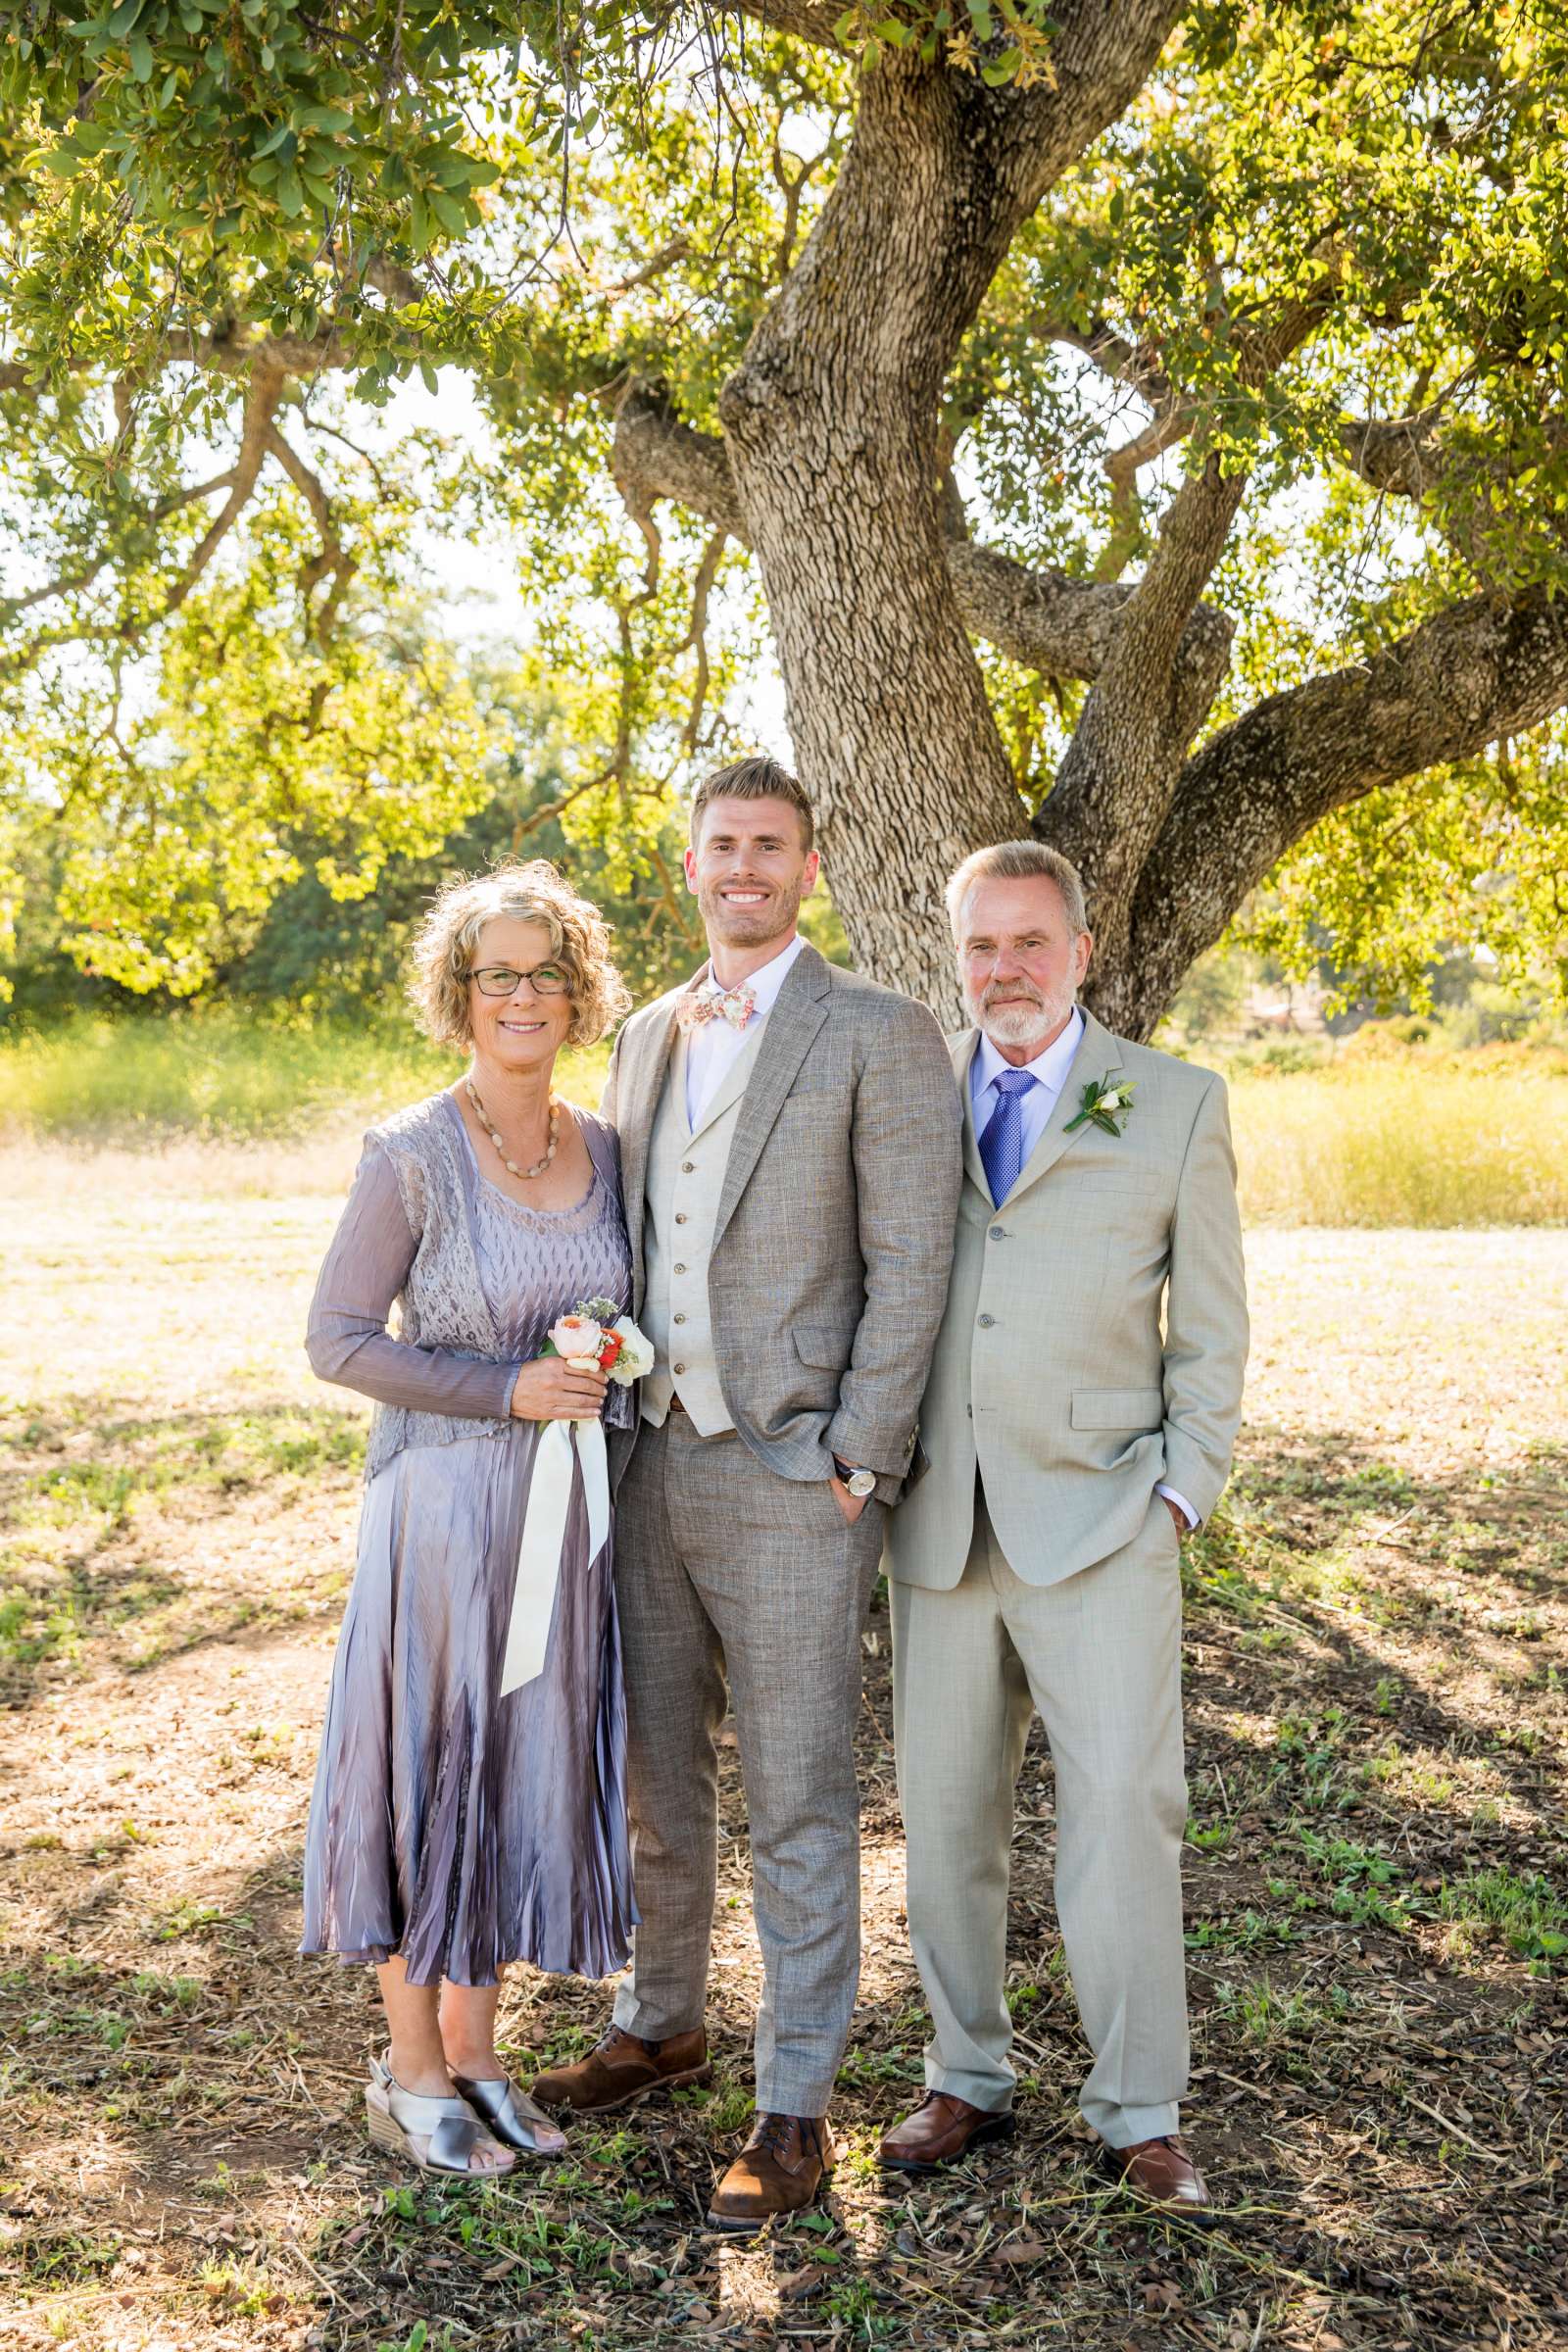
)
(635, 1111)
(963, 1053)
(1098, 1053)
(793, 1023)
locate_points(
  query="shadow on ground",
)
(1377, 1915)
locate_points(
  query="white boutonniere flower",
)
(1106, 1103)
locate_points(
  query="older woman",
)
(455, 1827)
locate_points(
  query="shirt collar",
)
(1048, 1069)
(765, 983)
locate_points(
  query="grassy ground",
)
(1377, 1893)
(1417, 1137)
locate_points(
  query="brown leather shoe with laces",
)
(783, 2168)
(941, 2129)
(621, 2067)
(1164, 2172)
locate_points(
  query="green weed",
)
(1529, 1913)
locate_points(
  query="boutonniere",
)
(1107, 1102)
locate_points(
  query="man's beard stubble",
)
(1020, 1024)
(747, 926)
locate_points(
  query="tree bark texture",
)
(831, 434)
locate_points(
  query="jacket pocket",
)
(824, 1350)
(1117, 1409)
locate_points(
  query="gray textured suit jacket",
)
(1053, 1370)
(834, 1240)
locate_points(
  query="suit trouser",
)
(723, 1567)
(1099, 1655)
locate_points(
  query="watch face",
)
(863, 1482)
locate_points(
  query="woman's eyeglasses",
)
(500, 980)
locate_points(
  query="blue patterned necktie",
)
(1002, 1145)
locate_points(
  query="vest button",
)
(681, 1216)
(687, 1166)
(677, 1369)
(680, 1269)
(680, 1318)
(986, 1322)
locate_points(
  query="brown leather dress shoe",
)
(941, 2129)
(783, 2168)
(621, 2067)
(1162, 2171)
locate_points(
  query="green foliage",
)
(1325, 211)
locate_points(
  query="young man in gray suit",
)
(1073, 1433)
(791, 1159)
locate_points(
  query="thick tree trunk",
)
(831, 439)
(830, 426)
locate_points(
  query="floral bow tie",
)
(737, 1004)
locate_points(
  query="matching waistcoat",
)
(685, 1181)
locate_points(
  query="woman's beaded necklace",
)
(493, 1133)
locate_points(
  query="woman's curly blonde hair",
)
(530, 892)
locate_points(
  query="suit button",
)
(681, 1216)
(677, 1369)
(687, 1166)
(680, 1318)
(998, 1233)
(680, 1269)
(986, 1322)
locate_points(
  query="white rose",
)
(636, 1358)
(1112, 1101)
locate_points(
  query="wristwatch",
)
(860, 1482)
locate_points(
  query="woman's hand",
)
(550, 1389)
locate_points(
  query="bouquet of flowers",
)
(597, 1336)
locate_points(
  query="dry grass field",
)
(1377, 1890)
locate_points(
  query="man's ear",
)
(1085, 946)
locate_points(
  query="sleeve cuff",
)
(1172, 1495)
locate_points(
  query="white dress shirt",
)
(715, 1046)
(1048, 1071)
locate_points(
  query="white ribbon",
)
(544, 1534)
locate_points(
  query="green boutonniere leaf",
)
(1106, 1103)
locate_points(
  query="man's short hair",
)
(1018, 862)
(755, 779)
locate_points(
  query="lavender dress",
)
(457, 1827)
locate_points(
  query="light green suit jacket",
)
(1096, 1328)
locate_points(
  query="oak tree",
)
(1138, 423)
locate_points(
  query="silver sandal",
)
(396, 2118)
(511, 2116)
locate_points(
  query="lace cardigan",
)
(407, 1238)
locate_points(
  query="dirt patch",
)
(1377, 1898)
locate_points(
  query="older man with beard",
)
(789, 1138)
(1085, 1395)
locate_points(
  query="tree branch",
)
(71, 583)
(1044, 619)
(334, 558)
(1477, 672)
(805, 20)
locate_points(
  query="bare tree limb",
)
(805, 20)
(71, 583)
(1044, 619)
(1480, 671)
(335, 559)
(697, 635)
